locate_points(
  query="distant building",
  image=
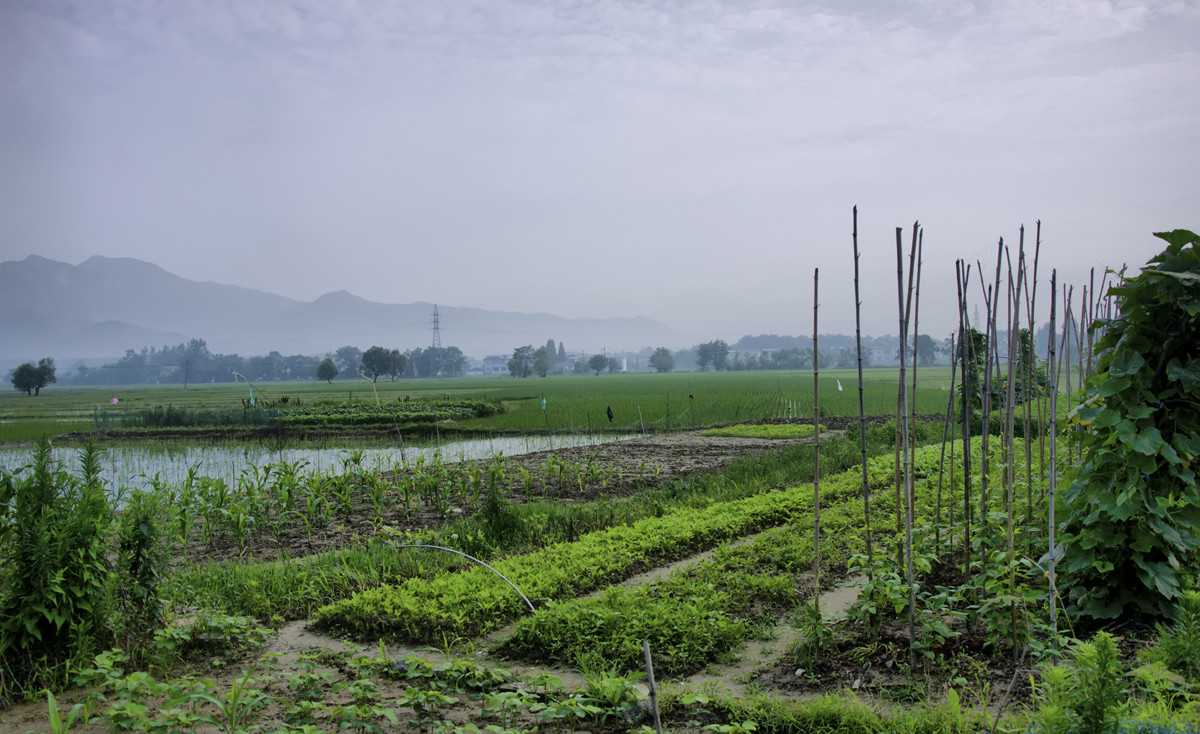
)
(884, 355)
(495, 364)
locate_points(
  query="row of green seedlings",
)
(1091, 691)
(700, 612)
(707, 609)
(331, 691)
(1004, 597)
(996, 588)
(476, 601)
(326, 414)
(292, 588)
(998, 561)
(282, 499)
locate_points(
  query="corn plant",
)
(237, 707)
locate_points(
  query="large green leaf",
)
(1125, 363)
(1188, 374)
(1179, 237)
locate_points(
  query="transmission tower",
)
(436, 368)
(437, 329)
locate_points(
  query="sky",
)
(688, 162)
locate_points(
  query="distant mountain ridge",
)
(104, 306)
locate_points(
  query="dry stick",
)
(1053, 367)
(912, 588)
(937, 526)
(862, 411)
(816, 462)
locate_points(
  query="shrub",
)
(54, 598)
(1134, 518)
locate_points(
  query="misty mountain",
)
(104, 306)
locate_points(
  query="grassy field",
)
(573, 404)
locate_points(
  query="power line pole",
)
(437, 343)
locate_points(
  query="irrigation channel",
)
(132, 466)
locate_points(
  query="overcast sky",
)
(689, 162)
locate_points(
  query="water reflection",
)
(131, 466)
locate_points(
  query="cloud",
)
(589, 158)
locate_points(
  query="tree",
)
(598, 363)
(378, 361)
(347, 358)
(927, 350)
(453, 361)
(972, 353)
(848, 359)
(25, 377)
(399, 363)
(435, 362)
(662, 360)
(543, 360)
(521, 364)
(712, 354)
(552, 353)
(32, 378)
(562, 354)
(327, 370)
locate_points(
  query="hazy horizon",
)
(686, 163)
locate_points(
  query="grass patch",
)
(763, 430)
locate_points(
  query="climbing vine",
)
(1133, 523)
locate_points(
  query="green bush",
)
(54, 594)
(1134, 519)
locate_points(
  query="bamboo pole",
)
(991, 305)
(937, 526)
(652, 687)
(912, 588)
(1014, 325)
(901, 407)
(965, 341)
(862, 411)
(1029, 357)
(916, 332)
(1053, 367)
(816, 460)
(1090, 306)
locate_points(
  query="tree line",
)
(193, 362)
